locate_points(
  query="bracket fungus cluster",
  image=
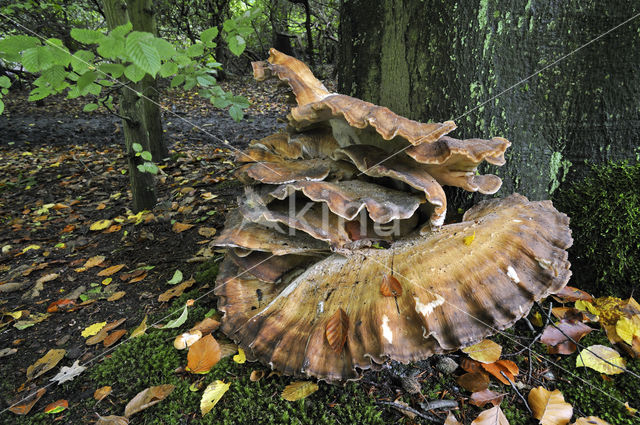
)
(338, 258)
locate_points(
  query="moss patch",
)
(605, 219)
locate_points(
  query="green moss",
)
(604, 209)
(207, 272)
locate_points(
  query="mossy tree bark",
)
(134, 123)
(433, 60)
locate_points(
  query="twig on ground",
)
(399, 406)
(524, 400)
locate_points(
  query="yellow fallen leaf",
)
(140, 330)
(299, 390)
(630, 410)
(93, 329)
(536, 319)
(591, 420)
(212, 395)
(207, 232)
(45, 363)
(94, 261)
(602, 359)
(116, 296)
(181, 227)
(111, 270)
(101, 393)
(240, 358)
(469, 239)
(549, 407)
(107, 281)
(30, 247)
(628, 328)
(486, 351)
(100, 225)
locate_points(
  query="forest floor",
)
(74, 255)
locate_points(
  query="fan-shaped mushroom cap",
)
(375, 162)
(318, 143)
(291, 171)
(268, 267)
(453, 294)
(239, 233)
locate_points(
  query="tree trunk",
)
(435, 60)
(133, 109)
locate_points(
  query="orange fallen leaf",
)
(176, 291)
(139, 277)
(26, 406)
(390, 286)
(101, 393)
(56, 407)
(111, 270)
(94, 261)
(570, 294)
(113, 337)
(336, 330)
(113, 228)
(497, 367)
(473, 381)
(469, 365)
(203, 355)
(180, 227)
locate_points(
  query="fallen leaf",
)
(45, 363)
(240, 358)
(8, 352)
(180, 227)
(203, 355)
(493, 416)
(536, 319)
(554, 336)
(469, 365)
(212, 395)
(31, 320)
(299, 390)
(602, 359)
(549, 407)
(336, 330)
(206, 326)
(496, 368)
(114, 228)
(94, 261)
(140, 330)
(176, 323)
(93, 329)
(627, 328)
(256, 375)
(187, 339)
(486, 351)
(68, 373)
(112, 420)
(26, 406)
(480, 398)
(111, 270)
(47, 278)
(61, 305)
(56, 407)
(139, 277)
(390, 286)
(116, 296)
(451, 420)
(570, 294)
(591, 420)
(468, 240)
(176, 291)
(177, 278)
(100, 225)
(207, 232)
(473, 381)
(630, 410)
(113, 337)
(147, 398)
(101, 393)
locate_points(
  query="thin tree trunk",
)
(435, 60)
(132, 108)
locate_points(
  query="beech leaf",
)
(45, 363)
(140, 330)
(112, 420)
(554, 336)
(299, 390)
(390, 287)
(486, 351)
(111, 270)
(451, 420)
(474, 381)
(147, 398)
(549, 407)
(336, 330)
(100, 225)
(602, 359)
(177, 278)
(93, 329)
(591, 420)
(493, 416)
(212, 395)
(56, 407)
(102, 392)
(26, 406)
(176, 323)
(480, 398)
(203, 355)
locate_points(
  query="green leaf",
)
(5, 81)
(146, 155)
(134, 73)
(137, 147)
(190, 82)
(229, 25)
(90, 107)
(241, 101)
(182, 60)
(236, 113)
(114, 69)
(177, 80)
(168, 69)
(122, 30)
(40, 93)
(195, 50)
(150, 167)
(1, 106)
(220, 102)
(37, 59)
(236, 44)
(94, 89)
(81, 60)
(13, 45)
(179, 321)
(112, 47)
(54, 76)
(177, 278)
(206, 80)
(73, 93)
(86, 79)
(164, 48)
(208, 35)
(87, 36)
(142, 53)
(59, 52)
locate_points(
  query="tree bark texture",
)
(132, 107)
(436, 60)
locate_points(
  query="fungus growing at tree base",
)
(338, 257)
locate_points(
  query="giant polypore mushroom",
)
(338, 259)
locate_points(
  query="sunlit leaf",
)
(100, 225)
(203, 355)
(602, 359)
(56, 407)
(240, 358)
(627, 328)
(140, 330)
(591, 420)
(177, 278)
(493, 416)
(468, 240)
(451, 420)
(93, 329)
(486, 351)
(45, 363)
(101, 393)
(549, 407)
(299, 390)
(212, 395)
(179, 321)
(147, 398)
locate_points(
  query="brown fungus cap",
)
(453, 294)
